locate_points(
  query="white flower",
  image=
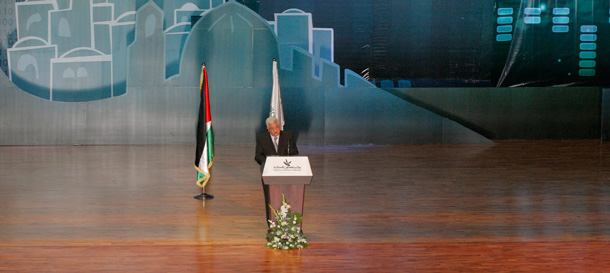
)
(285, 232)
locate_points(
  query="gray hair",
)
(271, 120)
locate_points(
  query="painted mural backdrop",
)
(551, 43)
(467, 42)
(70, 51)
(74, 51)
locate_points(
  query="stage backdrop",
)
(127, 72)
(466, 42)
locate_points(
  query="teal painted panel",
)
(560, 29)
(515, 113)
(588, 29)
(588, 37)
(588, 46)
(587, 55)
(504, 37)
(102, 13)
(505, 11)
(561, 11)
(323, 47)
(587, 64)
(532, 11)
(504, 29)
(103, 38)
(533, 20)
(561, 20)
(505, 20)
(586, 72)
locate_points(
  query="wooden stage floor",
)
(532, 206)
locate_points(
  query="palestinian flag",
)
(204, 156)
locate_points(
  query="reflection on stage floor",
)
(539, 204)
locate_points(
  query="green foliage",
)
(285, 233)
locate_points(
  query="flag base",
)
(202, 196)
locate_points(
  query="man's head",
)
(273, 126)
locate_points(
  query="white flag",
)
(276, 98)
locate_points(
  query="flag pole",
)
(205, 142)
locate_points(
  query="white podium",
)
(287, 175)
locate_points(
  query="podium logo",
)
(287, 167)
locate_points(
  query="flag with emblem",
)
(204, 155)
(276, 98)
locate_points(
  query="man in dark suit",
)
(275, 142)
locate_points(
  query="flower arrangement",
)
(285, 234)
